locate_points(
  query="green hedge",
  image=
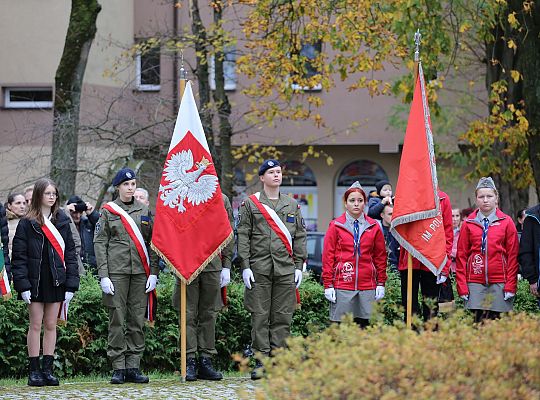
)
(81, 345)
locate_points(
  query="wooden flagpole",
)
(417, 37)
(182, 315)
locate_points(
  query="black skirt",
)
(48, 293)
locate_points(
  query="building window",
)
(366, 172)
(28, 97)
(309, 51)
(229, 69)
(300, 183)
(148, 70)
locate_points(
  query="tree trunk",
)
(511, 199)
(224, 111)
(529, 66)
(205, 106)
(68, 85)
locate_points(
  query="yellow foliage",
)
(496, 360)
(516, 76)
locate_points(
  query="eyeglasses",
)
(50, 194)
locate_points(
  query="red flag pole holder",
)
(182, 316)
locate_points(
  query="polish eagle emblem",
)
(192, 186)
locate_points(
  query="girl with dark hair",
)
(15, 210)
(45, 274)
(354, 260)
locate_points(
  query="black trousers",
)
(427, 283)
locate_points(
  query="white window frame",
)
(140, 86)
(230, 82)
(27, 104)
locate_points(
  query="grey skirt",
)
(356, 302)
(488, 297)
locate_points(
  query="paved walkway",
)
(229, 388)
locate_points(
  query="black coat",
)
(86, 231)
(529, 245)
(27, 251)
(4, 231)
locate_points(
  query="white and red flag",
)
(191, 225)
(5, 290)
(417, 223)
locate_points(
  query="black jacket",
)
(86, 231)
(26, 256)
(4, 230)
(529, 246)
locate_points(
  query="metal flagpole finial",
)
(183, 73)
(417, 39)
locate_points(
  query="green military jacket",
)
(260, 248)
(115, 250)
(226, 254)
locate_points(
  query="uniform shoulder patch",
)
(97, 228)
(145, 219)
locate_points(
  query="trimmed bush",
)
(496, 360)
(82, 344)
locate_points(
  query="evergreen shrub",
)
(82, 344)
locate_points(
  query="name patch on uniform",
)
(290, 218)
(145, 219)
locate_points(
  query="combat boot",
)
(118, 376)
(46, 370)
(207, 371)
(258, 371)
(191, 369)
(35, 377)
(133, 375)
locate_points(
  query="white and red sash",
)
(277, 225)
(57, 242)
(5, 290)
(135, 234)
(274, 221)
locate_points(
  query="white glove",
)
(379, 293)
(298, 277)
(68, 297)
(465, 297)
(441, 279)
(247, 276)
(151, 283)
(508, 295)
(330, 294)
(26, 296)
(107, 286)
(225, 277)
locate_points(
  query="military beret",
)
(265, 166)
(486, 183)
(125, 174)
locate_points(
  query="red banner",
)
(417, 223)
(191, 225)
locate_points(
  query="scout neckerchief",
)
(135, 234)
(57, 242)
(5, 290)
(277, 225)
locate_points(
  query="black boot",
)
(258, 371)
(191, 369)
(207, 371)
(118, 376)
(133, 375)
(46, 370)
(35, 377)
